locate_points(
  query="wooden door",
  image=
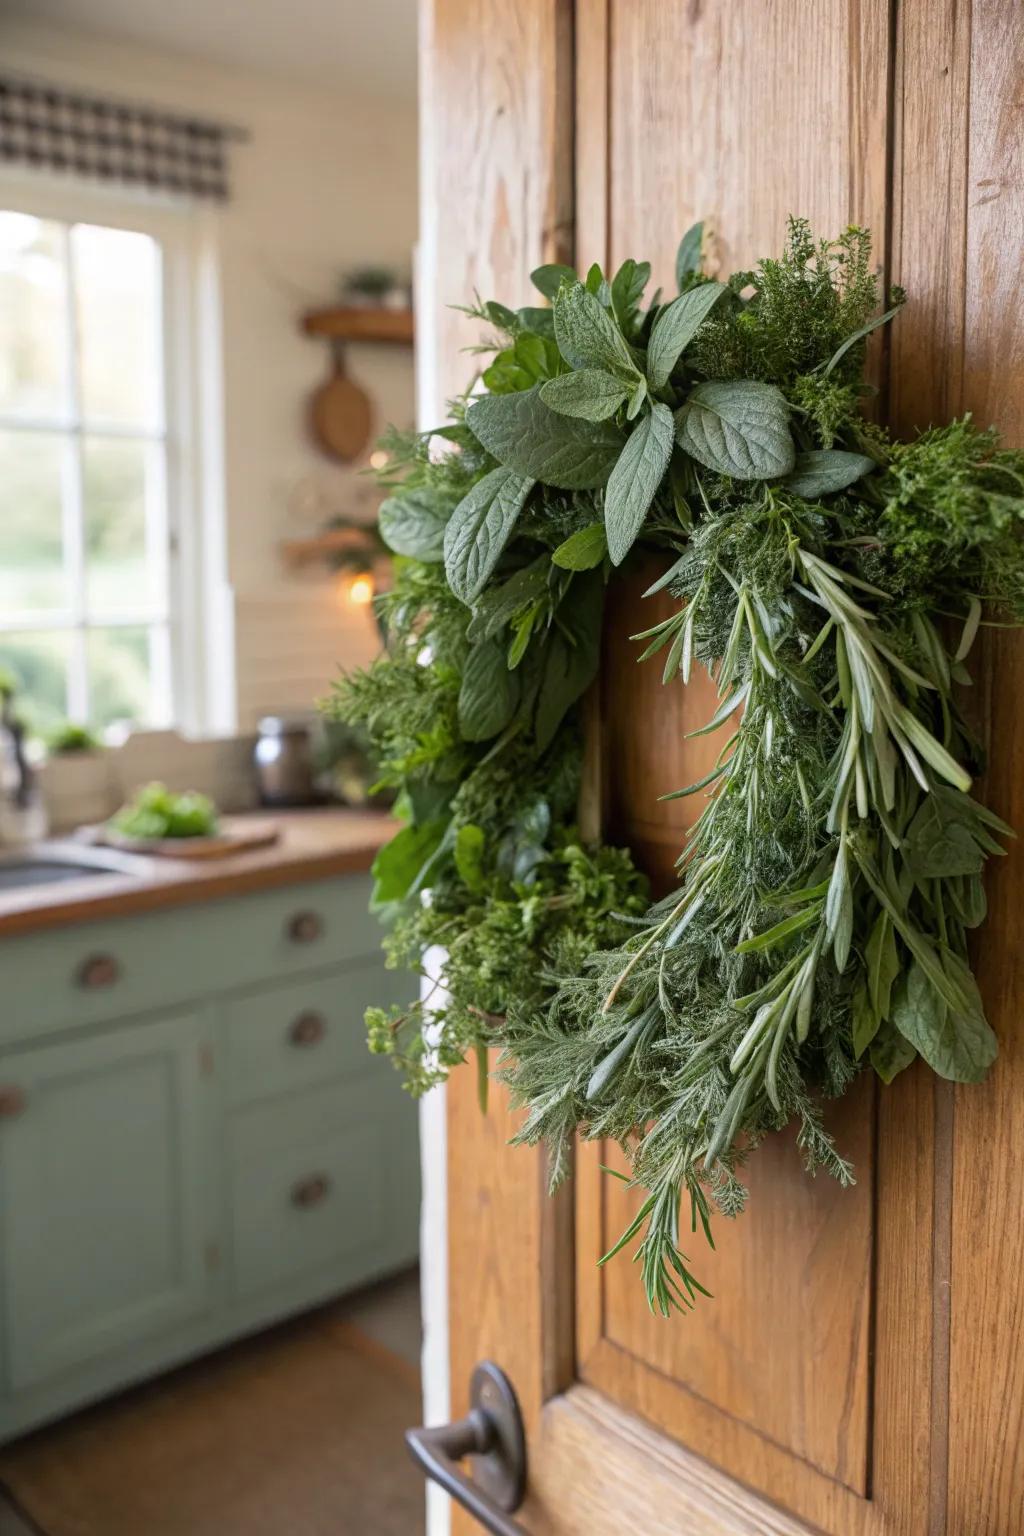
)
(104, 1225)
(861, 1370)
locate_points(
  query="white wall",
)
(326, 181)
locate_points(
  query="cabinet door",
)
(103, 1215)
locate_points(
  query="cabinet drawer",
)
(303, 1032)
(93, 972)
(308, 1188)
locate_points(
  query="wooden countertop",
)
(312, 845)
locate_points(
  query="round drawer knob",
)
(311, 1191)
(12, 1101)
(98, 971)
(305, 927)
(308, 1029)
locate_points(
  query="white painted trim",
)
(434, 1268)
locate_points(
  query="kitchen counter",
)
(312, 845)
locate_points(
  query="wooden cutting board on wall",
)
(861, 1370)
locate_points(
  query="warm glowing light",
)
(378, 458)
(361, 591)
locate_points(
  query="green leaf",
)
(573, 654)
(495, 607)
(587, 335)
(399, 864)
(882, 963)
(688, 256)
(890, 1053)
(781, 931)
(549, 278)
(529, 360)
(582, 550)
(675, 328)
(470, 843)
(865, 1020)
(588, 393)
(859, 335)
(523, 434)
(958, 1046)
(489, 695)
(413, 524)
(628, 286)
(940, 846)
(737, 427)
(824, 471)
(479, 528)
(634, 481)
(839, 908)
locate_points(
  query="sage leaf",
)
(582, 550)
(890, 1053)
(823, 471)
(495, 607)
(489, 693)
(523, 434)
(675, 328)
(479, 529)
(550, 277)
(688, 256)
(839, 908)
(589, 393)
(628, 286)
(587, 335)
(413, 524)
(634, 481)
(573, 653)
(958, 1046)
(737, 427)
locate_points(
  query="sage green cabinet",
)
(196, 1146)
(105, 1224)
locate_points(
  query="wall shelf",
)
(352, 323)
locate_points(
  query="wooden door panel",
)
(861, 1364)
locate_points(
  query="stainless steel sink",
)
(53, 863)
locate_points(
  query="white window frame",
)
(198, 596)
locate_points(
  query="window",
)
(87, 619)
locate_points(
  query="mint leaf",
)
(688, 256)
(489, 695)
(587, 335)
(479, 528)
(582, 550)
(588, 393)
(413, 523)
(635, 479)
(823, 471)
(675, 328)
(573, 653)
(524, 435)
(737, 427)
(549, 278)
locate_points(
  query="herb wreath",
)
(833, 580)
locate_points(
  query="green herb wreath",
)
(833, 580)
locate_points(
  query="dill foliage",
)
(833, 581)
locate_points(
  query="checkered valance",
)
(64, 130)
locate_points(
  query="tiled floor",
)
(387, 1315)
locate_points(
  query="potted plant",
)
(77, 781)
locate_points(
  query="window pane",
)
(32, 316)
(39, 664)
(119, 676)
(125, 544)
(31, 570)
(116, 274)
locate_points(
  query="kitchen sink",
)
(53, 863)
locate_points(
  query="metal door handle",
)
(492, 1435)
